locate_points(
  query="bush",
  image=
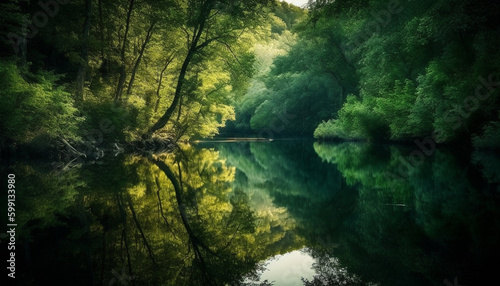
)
(35, 109)
(105, 121)
(329, 130)
(356, 121)
(490, 139)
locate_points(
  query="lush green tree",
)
(205, 23)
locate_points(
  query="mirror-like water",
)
(234, 213)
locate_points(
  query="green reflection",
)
(158, 221)
(211, 214)
(438, 223)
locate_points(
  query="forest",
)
(199, 142)
(82, 75)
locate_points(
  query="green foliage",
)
(113, 121)
(418, 72)
(490, 138)
(328, 129)
(295, 104)
(11, 22)
(99, 210)
(355, 121)
(411, 68)
(35, 108)
(393, 109)
(274, 91)
(131, 53)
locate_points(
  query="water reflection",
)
(290, 268)
(441, 222)
(215, 213)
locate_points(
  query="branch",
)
(150, 251)
(187, 36)
(169, 227)
(72, 149)
(213, 15)
(231, 50)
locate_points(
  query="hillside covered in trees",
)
(88, 72)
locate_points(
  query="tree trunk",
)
(127, 27)
(148, 247)
(85, 225)
(196, 242)
(193, 49)
(339, 81)
(121, 83)
(180, 81)
(82, 70)
(141, 53)
(181, 205)
(22, 54)
(121, 80)
(123, 216)
(101, 29)
(167, 63)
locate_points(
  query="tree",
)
(207, 22)
(82, 70)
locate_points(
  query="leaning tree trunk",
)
(180, 81)
(194, 47)
(195, 240)
(139, 58)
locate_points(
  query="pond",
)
(284, 212)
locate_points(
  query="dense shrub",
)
(355, 121)
(34, 106)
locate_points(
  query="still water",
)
(260, 213)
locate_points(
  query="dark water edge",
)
(248, 201)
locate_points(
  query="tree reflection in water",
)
(211, 215)
(156, 221)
